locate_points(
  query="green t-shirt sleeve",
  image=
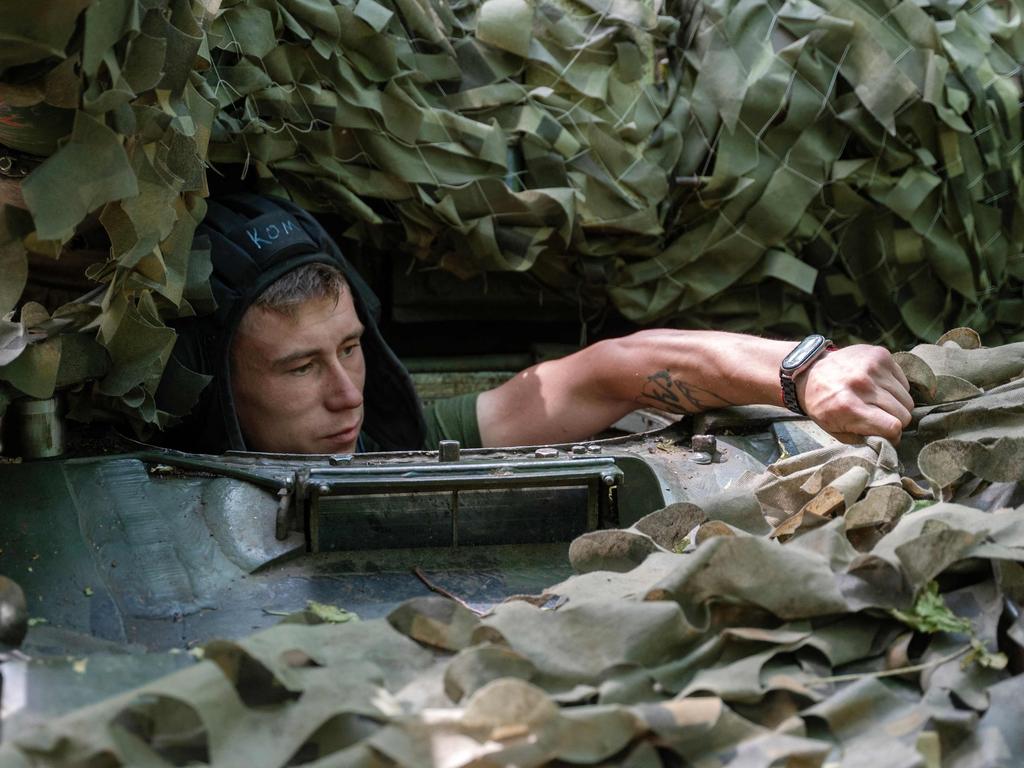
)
(453, 418)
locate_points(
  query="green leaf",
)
(330, 614)
(984, 657)
(931, 614)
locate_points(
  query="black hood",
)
(254, 240)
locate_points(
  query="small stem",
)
(888, 672)
(442, 591)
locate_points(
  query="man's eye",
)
(301, 370)
(349, 350)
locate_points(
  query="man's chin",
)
(334, 448)
(331, 445)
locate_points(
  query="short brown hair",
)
(305, 283)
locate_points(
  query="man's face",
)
(298, 379)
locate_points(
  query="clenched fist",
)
(855, 392)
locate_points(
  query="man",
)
(301, 367)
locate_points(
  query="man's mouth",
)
(348, 435)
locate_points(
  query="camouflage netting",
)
(134, 165)
(851, 606)
(851, 167)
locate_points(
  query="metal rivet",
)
(578, 450)
(594, 449)
(448, 451)
(324, 489)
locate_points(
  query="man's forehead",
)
(323, 321)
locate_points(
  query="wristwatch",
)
(796, 362)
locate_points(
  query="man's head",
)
(297, 367)
(295, 358)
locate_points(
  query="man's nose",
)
(342, 391)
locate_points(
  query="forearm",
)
(693, 371)
(679, 371)
(556, 401)
(850, 392)
(857, 390)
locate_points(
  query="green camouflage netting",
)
(852, 606)
(134, 164)
(849, 167)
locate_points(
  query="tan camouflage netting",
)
(839, 609)
(851, 167)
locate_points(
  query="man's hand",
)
(857, 391)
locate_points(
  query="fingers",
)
(859, 391)
(886, 425)
(898, 373)
(893, 405)
(898, 386)
(866, 420)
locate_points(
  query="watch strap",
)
(789, 394)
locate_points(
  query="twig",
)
(442, 591)
(888, 672)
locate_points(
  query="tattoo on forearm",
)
(677, 396)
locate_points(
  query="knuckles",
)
(870, 360)
(861, 368)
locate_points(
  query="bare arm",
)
(850, 392)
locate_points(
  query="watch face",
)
(805, 351)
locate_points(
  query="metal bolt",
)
(704, 448)
(448, 451)
(704, 444)
(608, 480)
(345, 458)
(594, 449)
(324, 489)
(546, 453)
(578, 450)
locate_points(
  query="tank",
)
(141, 567)
(138, 549)
(735, 588)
